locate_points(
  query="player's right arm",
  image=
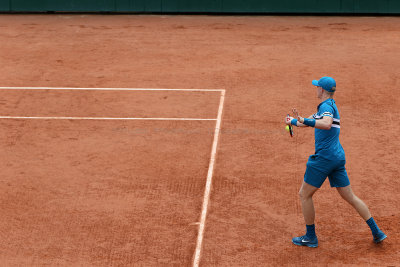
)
(299, 124)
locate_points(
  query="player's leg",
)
(347, 194)
(307, 204)
(339, 179)
(314, 177)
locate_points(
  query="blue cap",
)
(327, 83)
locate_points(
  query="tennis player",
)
(328, 161)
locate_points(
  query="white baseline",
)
(105, 118)
(111, 89)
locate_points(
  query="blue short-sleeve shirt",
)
(327, 143)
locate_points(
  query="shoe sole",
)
(306, 244)
(380, 239)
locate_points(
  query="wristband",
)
(309, 122)
(293, 122)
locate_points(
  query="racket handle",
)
(290, 127)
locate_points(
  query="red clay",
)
(113, 104)
(128, 193)
(101, 193)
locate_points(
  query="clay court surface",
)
(130, 192)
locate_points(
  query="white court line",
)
(207, 191)
(110, 89)
(105, 118)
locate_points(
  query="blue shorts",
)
(318, 169)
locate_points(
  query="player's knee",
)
(349, 197)
(303, 195)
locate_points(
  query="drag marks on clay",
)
(280, 29)
(93, 28)
(178, 27)
(133, 26)
(233, 185)
(338, 24)
(190, 187)
(314, 28)
(221, 26)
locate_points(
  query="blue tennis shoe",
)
(306, 241)
(379, 237)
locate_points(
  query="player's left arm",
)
(298, 123)
(296, 116)
(324, 124)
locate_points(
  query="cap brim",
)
(315, 82)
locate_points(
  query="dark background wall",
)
(205, 6)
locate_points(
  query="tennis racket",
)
(290, 127)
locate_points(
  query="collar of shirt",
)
(329, 99)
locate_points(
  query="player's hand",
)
(296, 115)
(295, 112)
(288, 120)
